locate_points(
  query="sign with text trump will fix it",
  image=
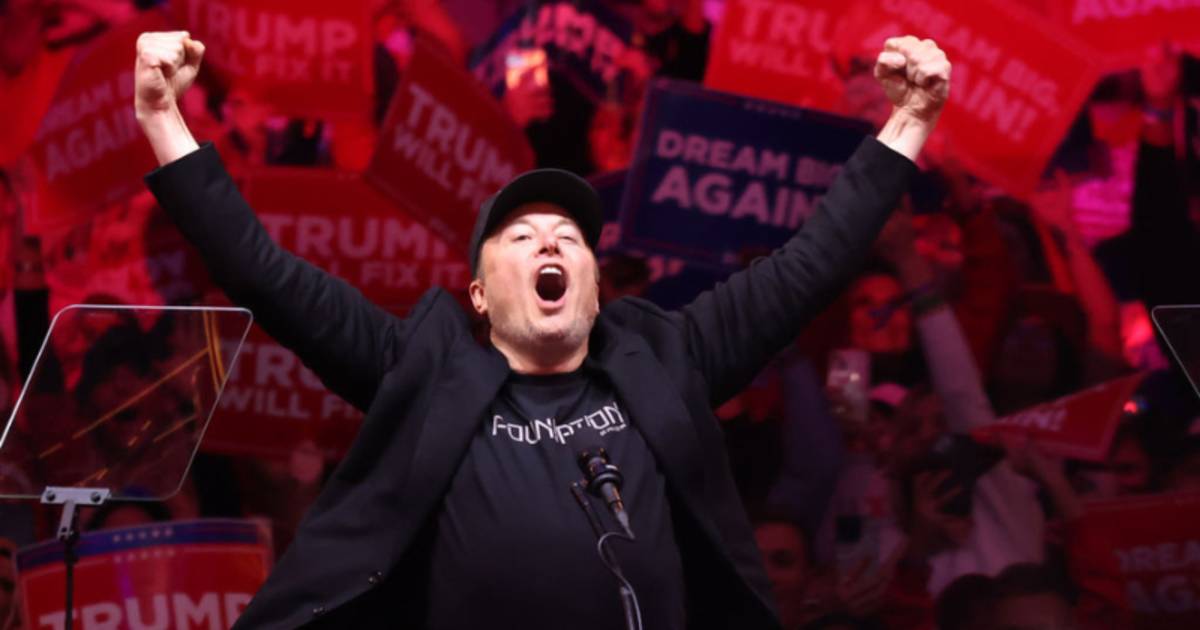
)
(334, 220)
(303, 57)
(780, 50)
(445, 146)
(716, 175)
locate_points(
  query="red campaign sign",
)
(89, 151)
(130, 252)
(446, 146)
(307, 58)
(183, 574)
(1080, 426)
(272, 403)
(780, 50)
(1141, 555)
(1121, 31)
(1017, 81)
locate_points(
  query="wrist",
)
(906, 133)
(167, 132)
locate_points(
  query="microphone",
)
(604, 480)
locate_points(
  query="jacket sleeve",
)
(735, 328)
(337, 332)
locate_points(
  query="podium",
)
(115, 407)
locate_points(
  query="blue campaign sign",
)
(611, 188)
(716, 176)
(583, 40)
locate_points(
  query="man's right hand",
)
(167, 63)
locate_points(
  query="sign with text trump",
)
(304, 57)
(446, 145)
(780, 50)
(181, 574)
(334, 220)
(716, 175)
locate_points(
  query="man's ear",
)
(478, 301)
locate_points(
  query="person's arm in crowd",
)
(952, 366)
(1005, 515)
(812, 448)
(1055, 208)
(733, 330)
(988, 281)
(331, 326)
(988, 276)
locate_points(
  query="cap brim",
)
(563, 188)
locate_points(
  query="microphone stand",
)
(633, 613)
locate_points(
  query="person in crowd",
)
(1145, 262)
(536, 284)
(955, 511)
(967, 603)
(784, 548)
(1032, 597)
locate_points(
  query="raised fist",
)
(915, 75)
(167, 64)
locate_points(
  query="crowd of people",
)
(874, 506)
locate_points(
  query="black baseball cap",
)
(552, 185)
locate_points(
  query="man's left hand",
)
(915, 75)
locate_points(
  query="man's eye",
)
(521, 237)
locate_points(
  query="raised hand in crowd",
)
(1055, 207)
(167, 64)
(897, 245)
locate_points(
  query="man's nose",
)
(549, 244)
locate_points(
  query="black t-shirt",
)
(513, 548)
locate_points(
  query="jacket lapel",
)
(658, 413)
(473, 377)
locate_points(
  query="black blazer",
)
(425, 384)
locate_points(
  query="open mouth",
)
(551, 283)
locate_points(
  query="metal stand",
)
(629, 603)
(68, 530)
